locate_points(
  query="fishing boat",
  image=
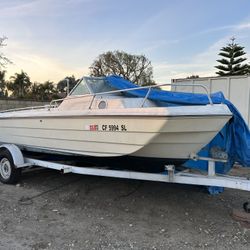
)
(98, 121)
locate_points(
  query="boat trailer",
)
(12, 161)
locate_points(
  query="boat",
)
(101, 124)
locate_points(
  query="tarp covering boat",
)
(234, 138)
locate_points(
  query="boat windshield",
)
(80, 89)
(91, 85)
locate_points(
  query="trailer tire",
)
(9, 174)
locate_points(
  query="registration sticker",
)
(92, 127)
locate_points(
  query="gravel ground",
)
(85, 212)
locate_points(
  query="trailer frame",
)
(17, 162)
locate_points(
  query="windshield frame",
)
(89, 88)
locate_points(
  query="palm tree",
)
(19, 85)
(43, 91)
(47, 90)
(34, 91)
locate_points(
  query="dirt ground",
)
(47, 210)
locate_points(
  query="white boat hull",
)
(178, 139)
(170, 133)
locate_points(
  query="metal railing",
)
(54, 102)
(48, 106)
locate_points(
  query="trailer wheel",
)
(9, 174)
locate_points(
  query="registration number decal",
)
(106, 127)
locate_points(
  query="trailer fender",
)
(15, 153)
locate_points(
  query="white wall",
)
(235, 88)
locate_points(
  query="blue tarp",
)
(234, 138)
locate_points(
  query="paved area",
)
(47, 210)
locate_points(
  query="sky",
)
(51, 39)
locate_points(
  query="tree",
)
(135, 68)
(2, 83)
(62, 85)
(231, 63)
(248, 69)
(3, 59)
(43, 91)
(35, 91)
(48, 91)
(20, 85)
